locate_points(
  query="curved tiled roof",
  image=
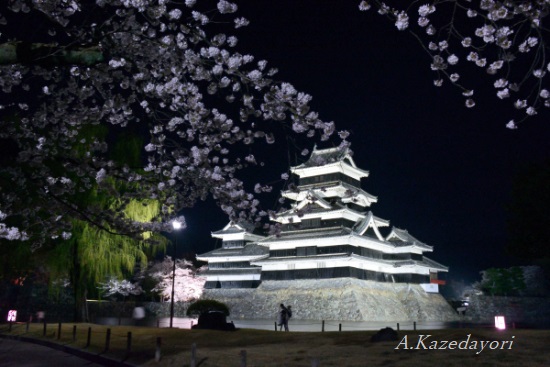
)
(325, 156)
(248, 250)
(429, 263)
(308, 234)
(228, 271)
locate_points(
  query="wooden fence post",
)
(397, 326)
(89, 337)
(59, 330)
(243, 358)
(414, 325)
(74, 333)
(275, 325)
(193, 355)
(157, 350)
(9, 327)
(107, 340)
(323, 326)
(339, 327)
(44, 333)
(129, 344)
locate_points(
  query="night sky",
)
(439, 170)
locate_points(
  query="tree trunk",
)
(86, 315)
(76, 283)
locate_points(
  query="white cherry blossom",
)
(496, 32)
(150, 66)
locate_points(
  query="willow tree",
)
(92, 253)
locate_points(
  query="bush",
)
(204, 306)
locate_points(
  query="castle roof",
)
(323, 161)
(319, 157)
(370, 221)
(247, 231)
(349, 193)
(425, 262)
(402, 235)
(233, 271)
(309, 234)
(251, 250)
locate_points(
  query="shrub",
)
(206, 305)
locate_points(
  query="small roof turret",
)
(238, 231)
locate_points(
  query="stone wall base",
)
(345, 299)
(530, 311)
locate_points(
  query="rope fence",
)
(301, 325)
(100, 339)
(324, 325)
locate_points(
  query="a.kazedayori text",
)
(424, 342)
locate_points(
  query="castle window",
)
(331, 177)
(229, 264)
(306, 251)
(311, 223)
(233, 244)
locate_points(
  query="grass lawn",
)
(269, 348)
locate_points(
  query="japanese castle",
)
(328, 232)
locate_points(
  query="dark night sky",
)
(441, 171)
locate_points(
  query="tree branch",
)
(27, 53)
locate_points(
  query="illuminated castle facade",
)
(328, 232)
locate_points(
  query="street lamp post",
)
(176, 225)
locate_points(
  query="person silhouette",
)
(282, 319)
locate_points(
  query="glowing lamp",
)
(500, 323)
(176, 224)
(12, 315)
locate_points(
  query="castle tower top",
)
(331, 160)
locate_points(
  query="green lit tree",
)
(502, 282)
(93, 253)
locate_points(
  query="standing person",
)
(282, 318)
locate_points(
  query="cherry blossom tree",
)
(188, 282)
(506, 40)
(124, 288)
(167, 70)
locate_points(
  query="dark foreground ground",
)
(250, 347)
